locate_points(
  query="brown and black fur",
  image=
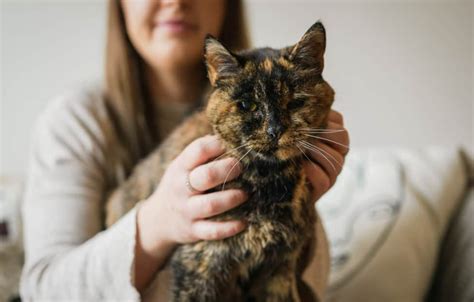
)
(260, 98)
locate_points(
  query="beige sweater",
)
(76, 157)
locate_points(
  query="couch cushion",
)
(385, 219)
(454, 277)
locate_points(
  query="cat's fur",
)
(261, 97)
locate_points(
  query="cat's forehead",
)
(264, 70)
(266, 61)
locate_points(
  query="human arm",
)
(68, 255)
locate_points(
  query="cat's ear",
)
(220, 62)
(308, 53)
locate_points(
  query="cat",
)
(263, 100)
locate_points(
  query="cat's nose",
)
(274, 132)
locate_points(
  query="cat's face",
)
(265, 100)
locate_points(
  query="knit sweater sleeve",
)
(68, 254)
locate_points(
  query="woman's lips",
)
(176, 26)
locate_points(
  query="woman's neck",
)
(180, 85)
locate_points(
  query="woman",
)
(87, 142)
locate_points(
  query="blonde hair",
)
(126, 89)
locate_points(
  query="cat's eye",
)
(295, 104)
(247, 106)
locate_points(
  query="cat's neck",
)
(270, 183)
(269, 167)
(261, 173)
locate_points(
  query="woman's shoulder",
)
(80, 103)
(76, 123)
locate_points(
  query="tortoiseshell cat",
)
(261, 102)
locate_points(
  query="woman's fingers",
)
(329, 159)
(208, 205)
(336, 136)
(200, 151)
(210, 175)
(326, 150)
(326, 156)
(318, 178)
(336, 117)
(215, 230)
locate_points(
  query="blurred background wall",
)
(402, 70)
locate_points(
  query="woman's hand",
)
(176, 212)
(326, 155)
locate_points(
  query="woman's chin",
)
(175, 53)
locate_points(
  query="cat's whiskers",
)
(229, 152)
(320, 131)
(325, 152)
(302, 151)
(327, 139)
(304, 95)
(315, 149)
(238, 161)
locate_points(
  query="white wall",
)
(47, 47)
(402, 70)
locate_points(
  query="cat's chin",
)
(276, 155)
(267, 156)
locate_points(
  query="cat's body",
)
(261, 99)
